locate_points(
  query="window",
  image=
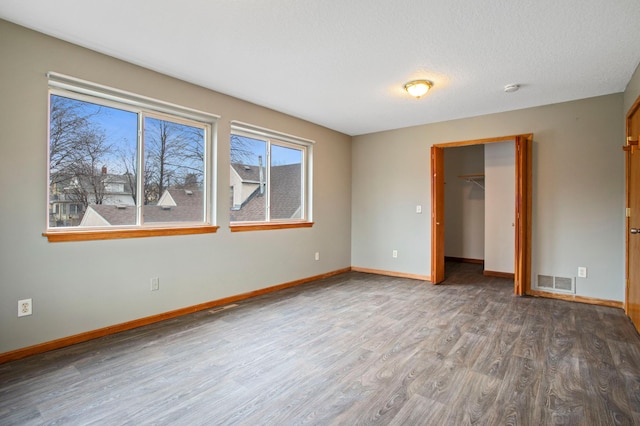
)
(121, 162)
(269, 177)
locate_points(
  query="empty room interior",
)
(242, 213)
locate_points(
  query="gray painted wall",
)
(464, 203)
(500, 206)
(364, 199)
(578, 190)
(82, 286)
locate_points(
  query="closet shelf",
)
(475, 179)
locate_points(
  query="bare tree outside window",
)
(241, 150)
(174, 157)
(78, 153)
(95, 167)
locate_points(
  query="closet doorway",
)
(522, 266)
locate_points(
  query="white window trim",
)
(72, 84)
(285, 139)
(71, 87)
(239, 126)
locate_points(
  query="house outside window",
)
(119, 162)
(269, 176)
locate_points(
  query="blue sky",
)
(121, 126)
(280, 155)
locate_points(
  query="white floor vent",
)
(559, 284)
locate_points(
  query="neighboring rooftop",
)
(250, 174)
(285, 196)
(187, 207)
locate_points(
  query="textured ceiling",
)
(342, 64)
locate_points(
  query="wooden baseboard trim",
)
(498, 274)
(94, 334)
(574, 298)
(391, 273)
(463, 260)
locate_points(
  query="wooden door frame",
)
(522, 256)
(634, 109)
(437, 214)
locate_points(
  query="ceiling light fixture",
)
(510, 88)
(418, 88)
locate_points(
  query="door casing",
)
(522, 256)
(632, 242)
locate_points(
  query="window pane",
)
(173, 180)
(248, 179)
(92, 164)
(286, 182)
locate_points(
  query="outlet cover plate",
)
(25, 307)
(582, 272)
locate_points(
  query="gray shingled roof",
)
(247, 173)
(285, 197)
(189, 208)
(115, 215)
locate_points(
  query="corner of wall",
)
(632, 91)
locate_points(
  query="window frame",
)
(272, 137)
(84, 91)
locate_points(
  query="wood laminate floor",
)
(351, 349)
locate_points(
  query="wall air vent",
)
(564, 284)
(555, 284)
(545, 281)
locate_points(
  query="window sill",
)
(65, 236)
(259, 226)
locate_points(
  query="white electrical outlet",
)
(317, 255)
(582, 272)
(25, 307)
(418, 209)
(394, 253)
(155, 284)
